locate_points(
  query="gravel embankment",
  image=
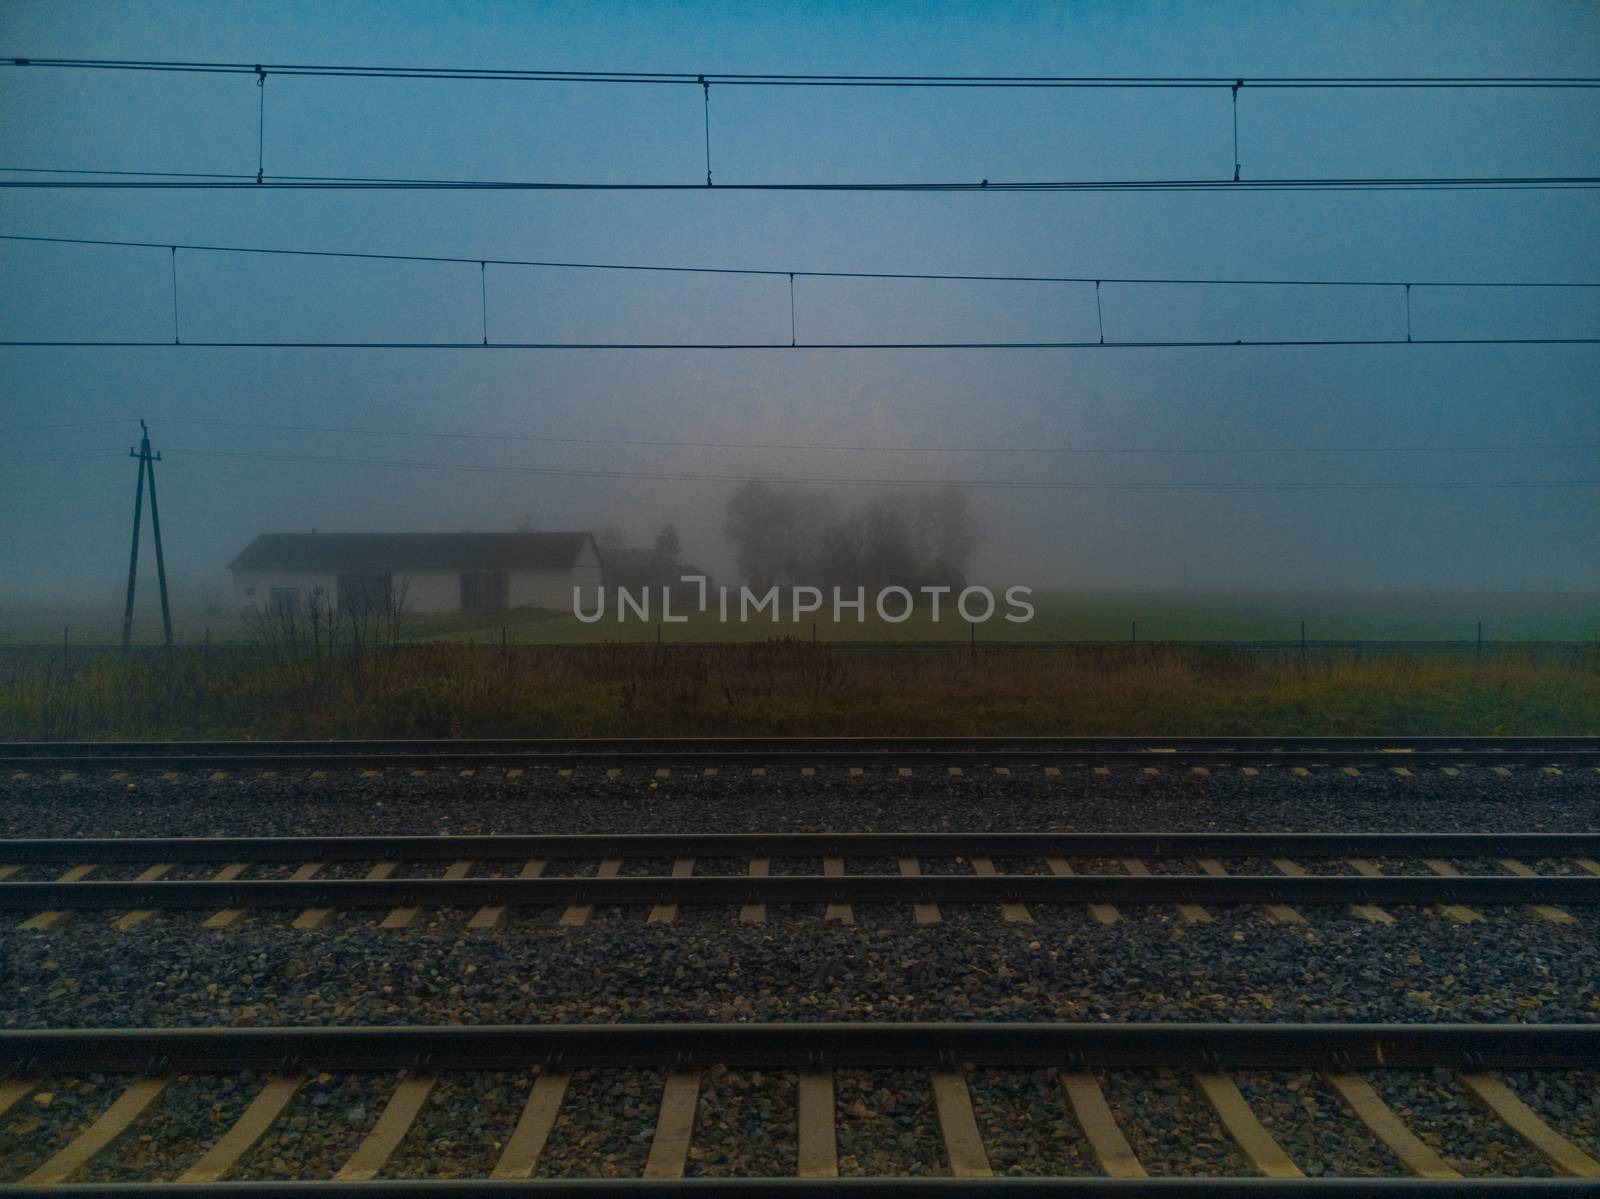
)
(1063, 967)
(342, 802)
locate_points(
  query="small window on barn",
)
(484, 591)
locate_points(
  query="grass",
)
(791, 688)
(1061, 616)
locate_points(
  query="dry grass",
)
(779, 688)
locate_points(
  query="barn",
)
(435, 572)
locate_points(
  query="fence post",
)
(505, 652)
(63, 649)
(205, 660)
(1480, 638)
(1133, 632)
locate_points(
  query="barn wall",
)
(550, 589)
(431, 590)
(264, 580)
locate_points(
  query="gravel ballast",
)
(707, 965)
(292, 803)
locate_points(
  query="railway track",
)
(286, 1064)
(1364, 871)
(854, 751)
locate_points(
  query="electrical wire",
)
(697, 78)
(777, 272)
(220, 181)
(997, 484)
(1238, 343)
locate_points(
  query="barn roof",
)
(411, 551)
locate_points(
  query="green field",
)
(1061, 616)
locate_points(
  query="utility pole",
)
(147, 469)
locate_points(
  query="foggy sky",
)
(64, 522)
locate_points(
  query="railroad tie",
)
(666, 913)
(819, 1145)
(406, 917)
(1194, 913)
(1504, 1103)
(44, 922)
(252, 1124)
(112, 1123)
(1587, 865)
(396, 1118)
(669, 1148)
(489, 918)
(228, 917)
(1282, 913)
(315, 918)
(1278, 913)
(1014, 911)
(14, 1090)
(1455, 911)
(1101, 913)
(963, 1144)
(131, 919)
(923, 912)
(7, 871)
(1544, 910)
(1106, 1140)
(578, 914)
(756, 913)
(1389, 1128)
(520, 1157)
(1368, 911)
(1265, 1155)
(834, 868)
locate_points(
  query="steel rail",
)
(800, 889)
(1344, 1046)
(830, 1188)
(758, 751)
(599, 846)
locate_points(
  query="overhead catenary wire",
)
(704, 80)
(750, 79)
(775, 272)
(205, 180)
(722, 346)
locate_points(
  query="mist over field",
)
(1390, 468)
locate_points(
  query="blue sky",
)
(63, 523)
